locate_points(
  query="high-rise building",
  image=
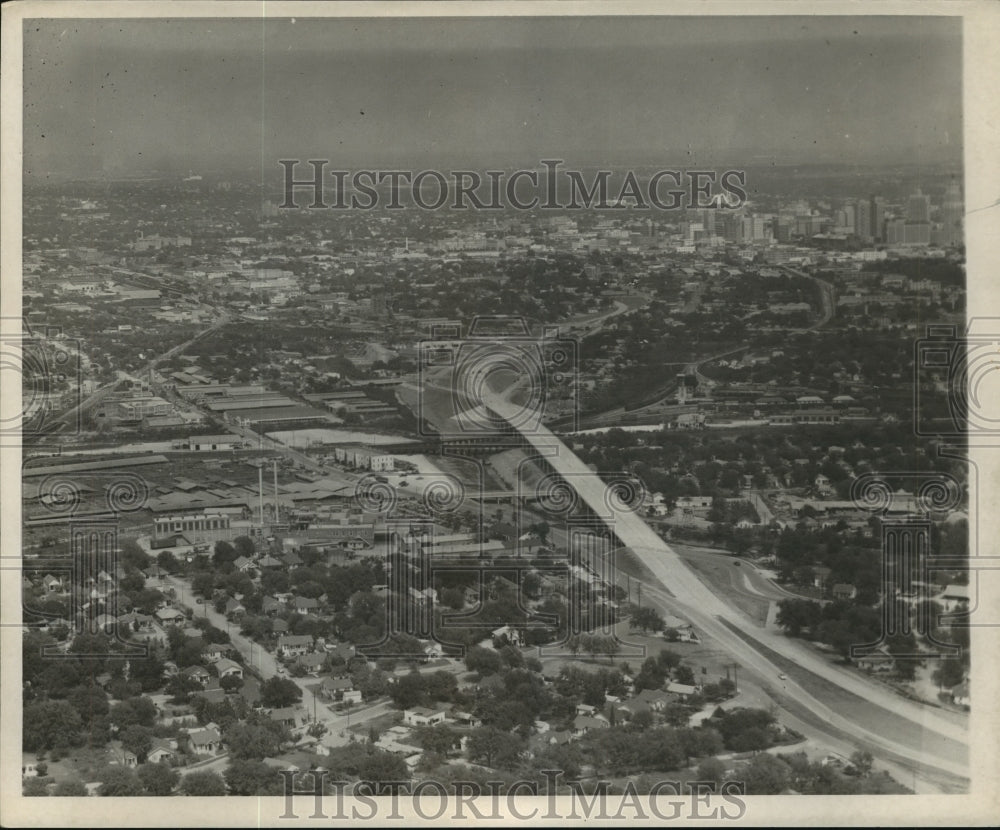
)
(917, 233)
(876, 214)
(783, 230)
(710, 220)
(757, 227)
(952, 215)
(895, 231)
(732, 228)
(863, 220)
(918, 207)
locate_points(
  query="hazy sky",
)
(131, 96)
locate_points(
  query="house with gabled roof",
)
(681, 689)
(304, 604)
(134, 621)
(312, 663)
(198, 673)
(293, 645)
(228, 668)
(213, 652)
(205, 741)
(161, 751)
(844, 591)
(170, 616)
(242, 564)
(954, 597)
(582, 724)
(335, 687)
(52, 584)
(287, 716)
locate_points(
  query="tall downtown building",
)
(952, 215)
(869, 219)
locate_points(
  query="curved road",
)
(920, 735)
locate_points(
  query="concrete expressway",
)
(930, 742)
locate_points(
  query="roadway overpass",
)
(920, 737)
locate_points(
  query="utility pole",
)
(274, 467)
(260, 494)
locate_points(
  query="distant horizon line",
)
(255, 171)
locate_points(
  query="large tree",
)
(277, 692)
(439, 739)
(766, 775)
(257, 739)
(493, 747)
(157, 779)
(203, 782)
(138, 740)
(409, 690)
(646, 619)
(133, 556)
(135, 710)
(251, 777)
(798, 615)
(378, 766)
(50, 723)
(483, 661)
(119, 781)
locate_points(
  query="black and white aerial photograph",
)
(461, 414)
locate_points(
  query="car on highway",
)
(782, 677)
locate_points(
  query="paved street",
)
(905, 729)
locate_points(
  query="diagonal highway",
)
(895, 728)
